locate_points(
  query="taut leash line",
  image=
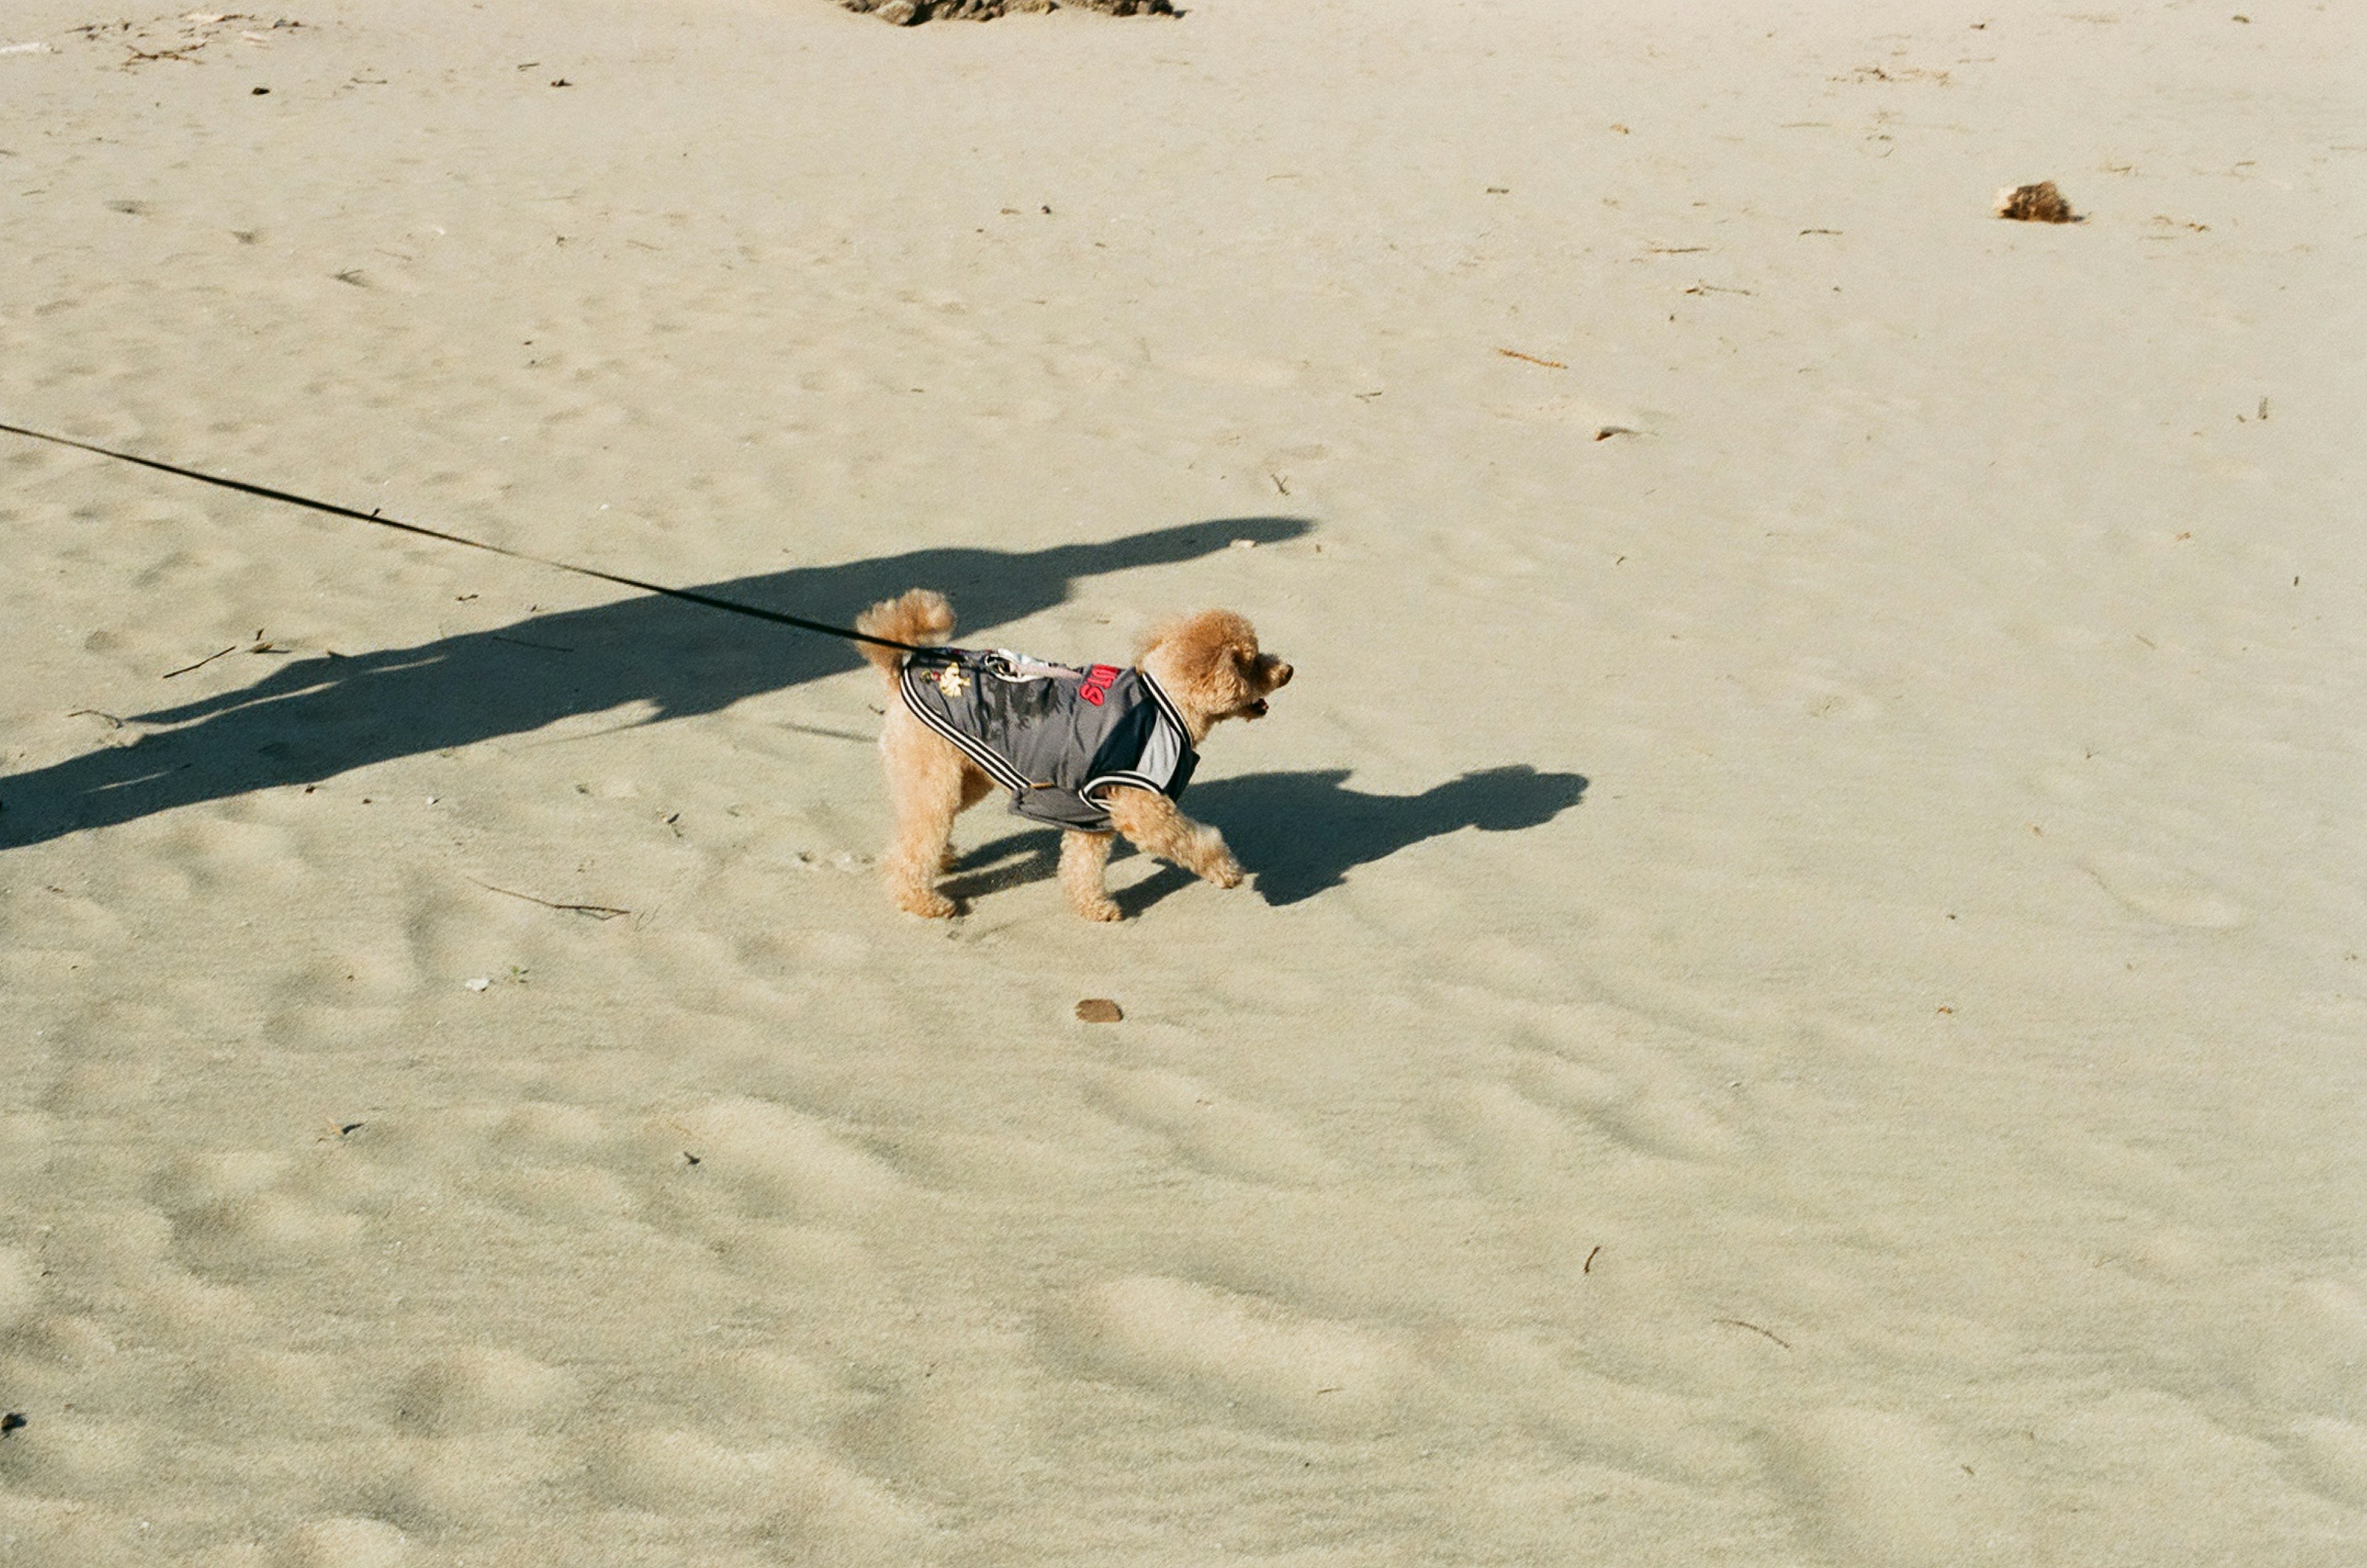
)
(688, 595)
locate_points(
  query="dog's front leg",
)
(1152, 825)
(1082, 858)
(926, 788)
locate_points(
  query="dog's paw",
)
(1101, 910)
(1226, 873)
(928, 906)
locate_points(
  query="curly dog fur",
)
(1210, 666)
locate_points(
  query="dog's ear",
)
(1260, 672)
(1247, 667)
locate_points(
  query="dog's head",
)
(1210, 663)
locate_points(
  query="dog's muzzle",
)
(1281, 673)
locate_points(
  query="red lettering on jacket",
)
(1098, 681)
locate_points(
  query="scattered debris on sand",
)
(1099, 1009)
(909, 13)
(182, 39)
(2041, 203)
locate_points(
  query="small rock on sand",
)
(2041, 203)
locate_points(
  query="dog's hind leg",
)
(1152, 825)
(1082, 858)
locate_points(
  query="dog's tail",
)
(921, 617)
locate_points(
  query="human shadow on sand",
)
(1301, 833)
(312, 719)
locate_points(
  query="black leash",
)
(687, 594)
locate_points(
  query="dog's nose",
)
(1281, 676)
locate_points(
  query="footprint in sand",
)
(481, 1428)
(1661, 1120)
(2333, 1453)
(785, 1162)
(1513, 1143)
(1239, 370)
(933, 1433)
(800, 1494)
(226, 854)
(567, 1193)
(70, 1453)
(1590, 417)
(548, 1126)
(25, 1139)
(17, 1287)
(346, 1541)
(1244, 1141)
(1238, 1354)
(1516, 1139)
(293, 1396)
(783, 1394)
(1884, 1490)
(481, 1389)
(1600, 1419)
(2164, 893)
(821, 1270)
(232, 1214)
(2306, 1348)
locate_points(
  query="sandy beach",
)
(1801, 999)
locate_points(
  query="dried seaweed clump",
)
(2041, 203)
(906, 13)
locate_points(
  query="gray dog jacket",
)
(1055, 738)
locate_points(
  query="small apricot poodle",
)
(1093, 751)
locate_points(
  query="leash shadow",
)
(312, 719)
(1301, 833)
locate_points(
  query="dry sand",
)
(1802, 1002)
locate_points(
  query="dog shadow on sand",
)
(314, 717)
(1300, 834)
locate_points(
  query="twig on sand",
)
(259, 645)
(597, 911)
(1532, 359)
(1738, 1323)
(113, 721)
(1588, 1267)
(1714, 288)
(200, 664)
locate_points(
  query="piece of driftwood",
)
(909, 13)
